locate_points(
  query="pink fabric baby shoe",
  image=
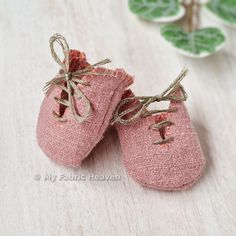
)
(78, 106)
(161, 151)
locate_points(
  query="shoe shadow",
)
(106, 155)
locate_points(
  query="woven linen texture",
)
(172, 166)
(70, 142)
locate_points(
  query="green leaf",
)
(199, 43)
(223, 9)
(157, 10)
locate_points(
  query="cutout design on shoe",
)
(161, 124)
(69, 143)
(132, 114)
(77, 61)
(178, 162)
(70, 81)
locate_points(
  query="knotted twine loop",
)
(140, 110)
(72, 79)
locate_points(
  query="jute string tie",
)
(71, 79)
(130, 115)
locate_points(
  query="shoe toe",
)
(169, 175)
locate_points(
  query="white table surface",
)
(107, 29)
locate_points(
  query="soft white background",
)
(107, 29)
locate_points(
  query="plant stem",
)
(192, 15)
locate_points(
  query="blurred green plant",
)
(225, 10)
(160, 11)
(188, 38)
(198, 43)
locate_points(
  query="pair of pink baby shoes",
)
(160, 151)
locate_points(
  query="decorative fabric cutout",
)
(177, 161)
(68, 80)
(140, 110)
(70, 142)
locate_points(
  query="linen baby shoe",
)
(161, 151)
(78, 105)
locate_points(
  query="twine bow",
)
(72, 79)
(140, 110)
